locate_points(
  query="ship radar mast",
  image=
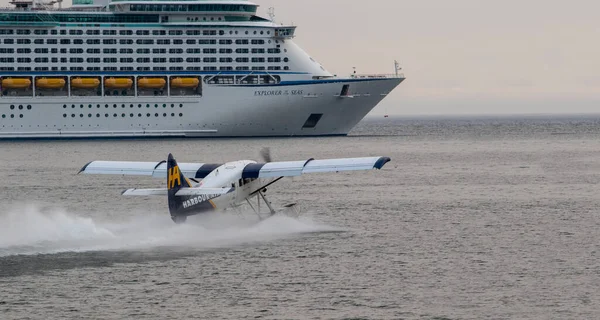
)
(271, 14)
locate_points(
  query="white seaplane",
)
(222, 186)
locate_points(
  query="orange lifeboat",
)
(118, 83)
(185, 82)
(152, 83)
(85, 83)
(16, 83)
(50, 83)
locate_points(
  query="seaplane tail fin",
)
(176, 181)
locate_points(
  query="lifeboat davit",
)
(152, 83)
(85, 83)
(185, 83)
(16, 83)
(50, 83)
(118, 83)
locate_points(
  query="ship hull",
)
(301, 108)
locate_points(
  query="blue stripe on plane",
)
(381, 161)
(252, 170)
(205, 170)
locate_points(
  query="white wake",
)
(30, 230)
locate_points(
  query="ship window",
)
(142, 32)
(22, 31)
(125, 32)
(8, 41)
(241, 41)
(92, 41)
(258, 59)
(225, 51)
(126, 50)
(126, 60)
(159, 60)
(175, 68)
(23, 50)
(225, 60)
(159, 32)
(241, 50)
(126, 68)
(207, 41)
(194, 50)
(162, 41)
(258, 41)
(258, 68)
(75, 50)
(54, 50)
(225, 41)
(125, 41)
(7, 50)
(143, 68)
(209, 51)
(159, 68)
(143, 50)
(241, 60)
(23, 60)
(175, 51)
(109, 50)
(175, 32)
(274, 68)
(175, 60)
(75, 32)
(276, 59)
(23, 41)
(144, 41)
(38, 41)
(258, 50)
(194, 68)
(209, 60)
(177, 41)
(225, 68)
(210, 68)
(190, 41)
(242, 68)
(158, 51)
(40, 60)
(110, 68)
(92, 32)
(65, 41)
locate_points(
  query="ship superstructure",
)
(127, 68)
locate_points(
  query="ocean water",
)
(474, 218)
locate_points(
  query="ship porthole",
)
(64, 115)
(20, 116)
(12, 107)
(72, 115)
(172, 114)
(12, 115)
(29, 107)
(181, 114)
(20, 107)
(64, 106)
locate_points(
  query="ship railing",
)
(378, 76)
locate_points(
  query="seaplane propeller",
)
(265, 153)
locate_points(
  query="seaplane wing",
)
(154, 169)
(180, 193)
(296, 168)
(252, 170)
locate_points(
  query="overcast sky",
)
(459, 56)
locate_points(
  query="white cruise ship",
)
(168, 68)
